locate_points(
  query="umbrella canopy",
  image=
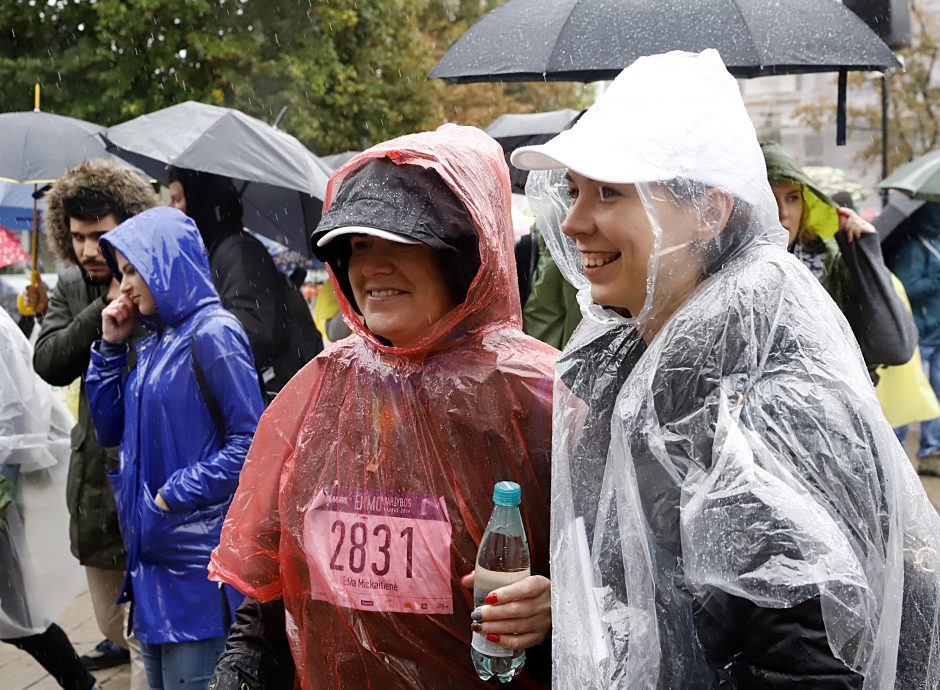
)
(16, 205)
(514, 130)
(282, 183)
(11, 251)
(38, 147)
(591, 40)
(335, 160)
(523, 125)
(919, 179)
(891, 222)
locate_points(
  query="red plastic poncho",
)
(369, 482)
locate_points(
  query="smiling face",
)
(133, 285)
(611, 228)
(85, 235)
(789, 196)
(399, 288)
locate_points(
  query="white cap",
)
(363, 230)
(665, 116)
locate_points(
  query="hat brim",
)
(581, 157)
(363, 230)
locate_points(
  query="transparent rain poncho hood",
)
(369, 481)
(725, 440)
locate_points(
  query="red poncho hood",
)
(369, 482)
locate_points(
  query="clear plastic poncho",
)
(725, 440)
(39, 576)
(369, 481)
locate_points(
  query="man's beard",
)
(93, 280)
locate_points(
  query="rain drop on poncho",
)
(368, 485)
(722, 449)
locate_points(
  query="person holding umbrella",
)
(730, 507)
(405, 426)
(184, 418)
(88, 201)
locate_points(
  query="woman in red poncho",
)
(368, 485)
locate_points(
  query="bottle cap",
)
(506, 494)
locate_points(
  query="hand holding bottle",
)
(520, 614)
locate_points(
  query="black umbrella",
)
(527, 129)
(891, 222)
(592, 40)
(281, 182)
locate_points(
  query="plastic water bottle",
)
(503, 558)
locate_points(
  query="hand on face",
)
(118, 319)
(520, 615)
(853, 225)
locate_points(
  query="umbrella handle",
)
(21, 305)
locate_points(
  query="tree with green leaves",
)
(350, 73)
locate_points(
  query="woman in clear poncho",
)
(369, 481)
(729, 506)
(38, 575)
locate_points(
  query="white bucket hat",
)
(665, 116)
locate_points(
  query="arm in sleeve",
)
(257, 653)
(61, 354)
(247, 284)
(104, 385)
(223, 354)
(882, 325)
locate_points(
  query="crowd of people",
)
(712, 490)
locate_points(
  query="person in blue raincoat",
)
(184, 419)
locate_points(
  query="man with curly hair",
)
(83, 205)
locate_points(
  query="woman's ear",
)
(717, 206)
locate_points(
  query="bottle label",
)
(379, 550)
(484, 646)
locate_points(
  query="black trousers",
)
(54, 651)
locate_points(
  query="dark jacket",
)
(272, 311)
(71, 325)
(62, 352)
(169, 441)
(919, 269)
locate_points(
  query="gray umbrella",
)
(591, 40)
(38, 147)
(282, 182)
(527, 129)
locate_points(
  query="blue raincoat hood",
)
(165, 247)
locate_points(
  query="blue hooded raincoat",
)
(168, 440)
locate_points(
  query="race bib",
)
(379, 551)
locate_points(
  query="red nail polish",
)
(492, 637)
(490, 598)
